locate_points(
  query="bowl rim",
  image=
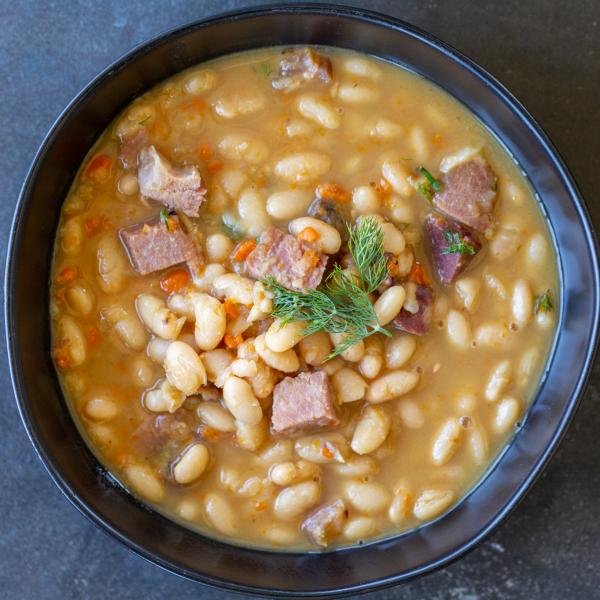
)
(380, 20)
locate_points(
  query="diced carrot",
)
(308, 234)
(327, 453)
(204, 151)
(93, 335)
(67, 275)
(437, 139)
(313, 258)
(100, 168)
(418, 275)
(230, 307)
(61, 357)
(392, 265)
(332, 191)
(210, 434)
(174, 280)
(243, 249)
(92, 225)
(260, 505)
(233, 341)
(384, 187)
(195, 104)
(214, 165)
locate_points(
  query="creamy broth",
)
(394, 453)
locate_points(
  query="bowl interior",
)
(47, 419)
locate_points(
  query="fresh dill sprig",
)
(164, 219)
(543, 303)
(457, 244)
(365, 244)
(435, 184)
(339, 306)
(428, 185)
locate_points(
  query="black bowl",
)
(51, 429)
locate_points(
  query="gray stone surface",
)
(546, 51)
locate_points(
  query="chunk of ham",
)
(131, 143)
(159, 244)
(443, 235)
(303, 403)
(178, 188)
(468, 194)
(294, 263)
(417, 323)
(300, 65)
(326, 522)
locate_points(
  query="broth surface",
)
(357, 140)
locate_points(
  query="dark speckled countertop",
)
(547, 52)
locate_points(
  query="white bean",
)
(163, 398)
(216, 417)
(112, 265)
(352, 354)
(244, 101)
(362, 68)
(411, 414)
(492, 334)
(282, 361)
(157, 317)
(211, 321)
(372, 362)
(527, 365)
(397, 174)
(357, 466)
(80, 298)
(71, 338)
(365, 199)
(200, 81)
(329, 240)
(421, 150)
(501, 376)
(432, 502)
(468, 290)
(522, 303)
(322, 449)
(241, 401)
(100, 408)
(131, 332)
(393, 240)
(446, 442)
(234, 287)
(144, 482)
(303, 167)
(318, 110)
(71, 236)
(392, 385)
(359, 528)
(478, 444)
(398, 350)
(157, 349)
(389, 304)
(218, 247)
(288, 204)
(458, 329)
(253, 215)
(369, 498)
(220, 513)
(281, 337)
(293, 501)
(371, 430)
(243, 147)
(315, 348)
(184, 368)
(349, 386)
(400, 506)
(191, 465)
(507, 413)
(536, 250)
(357, 93)
(251, 436)
(204, 280)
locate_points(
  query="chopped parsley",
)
(144, 120)
(543, 303)
(428, 185)
(434, 183)
(164, 219)
(457, 244)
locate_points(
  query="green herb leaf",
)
(457, 244)
(365, 244)
(266, 69)
(425, 190)
(164, 219)
(434, 183)
(231, 227)
(144, 120)
(340, 306)
(543, 303)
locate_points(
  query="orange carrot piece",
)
(204, 151)
(174, 280)
(332, 191)
(214, 165)
(230, 308)
(67, 275)
(243, 249)
(418, 275)
(100, 168)
(196, 104)
(233, 341)
(93, 335)
(61, 357)
(308, 234)
(327, 453)
(92, 225)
